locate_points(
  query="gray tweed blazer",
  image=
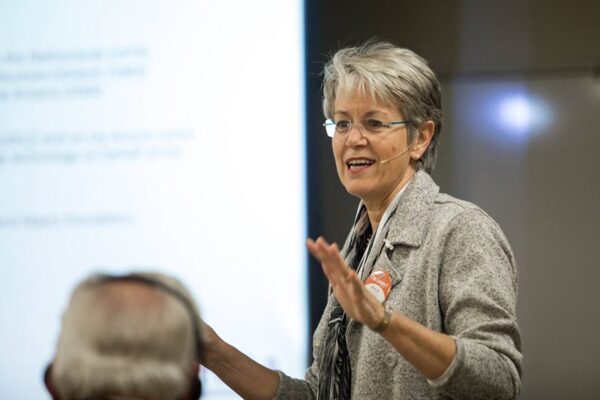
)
(453, 271)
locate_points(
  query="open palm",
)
(358, 303)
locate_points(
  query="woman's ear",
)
(426, 132)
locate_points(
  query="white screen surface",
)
(162, 135)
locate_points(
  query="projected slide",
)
(162, 135)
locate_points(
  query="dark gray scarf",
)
(335, 372)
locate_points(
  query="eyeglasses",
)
(371, 126)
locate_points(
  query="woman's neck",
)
(375, 217)
(376, 207)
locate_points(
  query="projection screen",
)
(153, 135)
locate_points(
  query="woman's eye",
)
(342, 124)
(374, 124)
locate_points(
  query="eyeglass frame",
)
(330, 122)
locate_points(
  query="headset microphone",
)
(396, 156)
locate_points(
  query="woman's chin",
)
(360, 190)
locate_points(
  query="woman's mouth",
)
(358, 164)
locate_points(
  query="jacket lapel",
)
(408, 225)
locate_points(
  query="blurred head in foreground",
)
(135, 336)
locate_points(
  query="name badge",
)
(379, 283)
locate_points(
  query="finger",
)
(334, 255)
(322, 247)
(312, 247)
(335, 261)
(318, 250)
(334, 266)
(322, 250)
(320, 243)
(321, 239)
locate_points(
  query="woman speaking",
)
(423, 293)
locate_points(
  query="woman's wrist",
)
(216, 354)
(384, 321)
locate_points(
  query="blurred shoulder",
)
(451, 214)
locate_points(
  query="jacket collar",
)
(409, 223)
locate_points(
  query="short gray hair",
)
(394, 76)
(122, 339)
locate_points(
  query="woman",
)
(423, 302)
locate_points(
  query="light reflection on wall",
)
(520, 115)
(506, 114)
(491, 124)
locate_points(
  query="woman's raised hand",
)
(356, 300)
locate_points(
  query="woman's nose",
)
(355, 135)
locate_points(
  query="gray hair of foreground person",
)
(126, 338)
(391, 75)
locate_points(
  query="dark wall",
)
(543, 191)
